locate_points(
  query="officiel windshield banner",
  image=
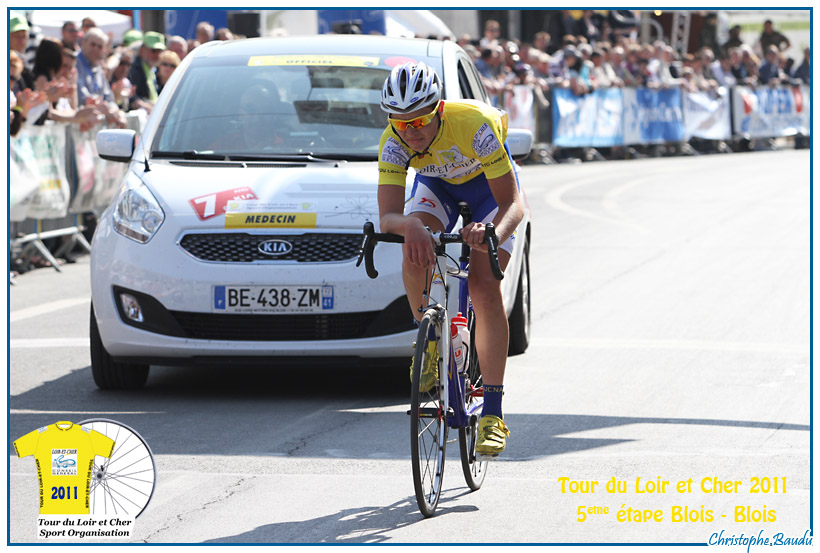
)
(764, 112)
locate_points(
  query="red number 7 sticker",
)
(212, 205)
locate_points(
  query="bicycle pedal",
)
(482, 458)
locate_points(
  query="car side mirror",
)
(520, 143)
(116, 144)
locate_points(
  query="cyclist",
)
(457, 150)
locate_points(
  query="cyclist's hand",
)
(473, 235)
(418, 245)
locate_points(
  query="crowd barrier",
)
(55, 177)
(642, 116)
(56, 174)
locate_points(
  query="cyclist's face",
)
(418, 139)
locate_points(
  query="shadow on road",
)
(317, 413)
(359, 525)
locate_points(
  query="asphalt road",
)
(671, 340)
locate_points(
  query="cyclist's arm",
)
(510, 212)
(418, 244)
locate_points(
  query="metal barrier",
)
(56, 178)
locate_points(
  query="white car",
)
(235, 234)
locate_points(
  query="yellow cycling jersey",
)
(470, 140)
(64, 453)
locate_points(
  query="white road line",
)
(37, 310)
(39, 412)
(37, 343)
(693, 345)
(555, 200)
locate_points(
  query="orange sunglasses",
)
(418, 122)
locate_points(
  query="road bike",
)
(457, 398)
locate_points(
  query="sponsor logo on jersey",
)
(427, 202)
(394, 153)
(64, 462)
(485, 142)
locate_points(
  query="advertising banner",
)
(45, 162)
(707, 114)
(765, 112)
(519, 105)
(653, 116)
(24, 178)
(595, 119)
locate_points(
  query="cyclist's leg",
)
(433, 205)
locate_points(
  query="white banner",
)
(24, 177)
(766, 112)
(519, 106)
(706, 114)
(47, 145)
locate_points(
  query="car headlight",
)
(137, 214)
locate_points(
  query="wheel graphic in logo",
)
(123, 484)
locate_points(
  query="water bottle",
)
(461, 340)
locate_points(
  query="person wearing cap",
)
(18, 33)
(130, 37)
(143, 73)
(18, 39)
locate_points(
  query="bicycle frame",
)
(455, 402)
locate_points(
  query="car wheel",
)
(109, 374)
(520, 316)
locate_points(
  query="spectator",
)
(738, 70)
(492, 32)
(588, 27)
(770, 37)
(120, 65)
(168, 62)
(603, 76)
(577, 72)
(722, 70)
(224, 34)
(60, 87)
(131, 38)
(192, 44)
(803, 71)
(179, 46)
(92, 87)
(143, 73)
(69, 34)
(204, 32)
(734, 39)
(18, 34)
(617, 62)
(769, 73)
(541, 41)
(707, 37)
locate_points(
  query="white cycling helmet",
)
(410, 87)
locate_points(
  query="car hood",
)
(327, 195)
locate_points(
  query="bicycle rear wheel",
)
(474, 470)
(428, 421)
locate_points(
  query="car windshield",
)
(270, 106)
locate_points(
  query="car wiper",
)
(303, 156)
(188, 154)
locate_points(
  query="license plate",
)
(273, 299)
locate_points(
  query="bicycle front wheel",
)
(474, 470)
(428, 421)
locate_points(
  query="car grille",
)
(244, 248)
(279, 328)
